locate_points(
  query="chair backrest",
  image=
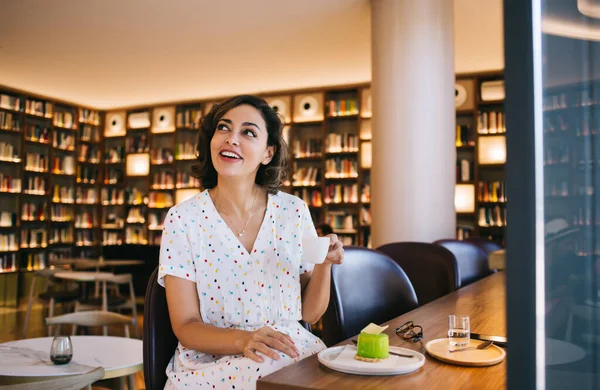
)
(488, 246)
(432, 269)
(159, 340)
(473, 263)
(91, 318)
(71, 382)
(367, 287)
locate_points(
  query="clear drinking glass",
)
(61, 351)
(459, 330)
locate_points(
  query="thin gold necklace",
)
(241, 233)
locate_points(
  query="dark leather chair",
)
(368, 287)
(432, 269)
(488, 246)
(159, 340)
(473, 263)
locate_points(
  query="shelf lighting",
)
(464, 198)
(492, 150)
(138, 164)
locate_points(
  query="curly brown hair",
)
(270, 176)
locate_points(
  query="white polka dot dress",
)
(238, 289)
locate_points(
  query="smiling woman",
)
(265, 122)
(237, 281)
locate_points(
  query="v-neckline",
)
(230, 232)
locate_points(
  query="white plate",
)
(349, 365)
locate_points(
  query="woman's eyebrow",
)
(228, 121)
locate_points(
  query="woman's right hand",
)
(267, 341)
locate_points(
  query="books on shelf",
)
(341, 168)
(8, 152)
(306, 176)
(9, 121)
(39, 108)
(341, 107)
(341, 193)
(491, 122)
(339, 143)
(9, 102)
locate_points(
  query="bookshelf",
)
(73, 179)
(481, 154)
(571, 127)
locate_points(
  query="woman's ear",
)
(269, 155)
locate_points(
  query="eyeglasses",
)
(410, 331)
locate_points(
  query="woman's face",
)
(239, 145)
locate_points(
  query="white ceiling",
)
(116, 53)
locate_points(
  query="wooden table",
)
(483, 301)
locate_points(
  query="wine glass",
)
(61, 351)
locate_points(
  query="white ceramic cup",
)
(314, 249)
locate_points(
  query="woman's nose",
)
(232, 140)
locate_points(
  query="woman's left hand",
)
(335, 254)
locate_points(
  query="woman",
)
(231, 257)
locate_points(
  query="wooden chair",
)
(95, 318)
(91, 318)
(71, 382)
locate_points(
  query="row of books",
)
(39, 108)
(33, 212)
(89, 134)
(136, 235)
(36, 162)
(311, 147)
(84, 238)
(491, 191)
(89, 116)
(63, 165)
(63, 235)
(185, 151)
(137, 144)
(36, 185)
(8, 242)
(61, 213)
(491, 122)
(86, 195)
(490, 216)
(36, 133)
(114, 154)
(341, 193)
(160, 200)
(163, 180)
(135, 215)
(64, 119)
(34, 238)
(312, 197)
(8, 262)
(64, 141)
(185, 180)
(87, 175)
(85, 220)
(559, 154)
(341, 168)
(161, 156)
(464, 170)
(365, 216)
(9, 121)
(341, 107)
(189, 118)
(585, 216)
(8, 152)
(155, 220)
(464, 136)
(63, 194)
(89, 154)
(306, 176)
(10, 184)
(9, 102)
(111, 238)
(8, 219)
(338, 143)
(560, 188)
(341, 220)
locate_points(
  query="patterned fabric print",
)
(238, 289)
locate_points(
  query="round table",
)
(29, 358)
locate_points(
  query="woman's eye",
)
(221, 126)
(250, 133)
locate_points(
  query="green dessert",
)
(372, 347)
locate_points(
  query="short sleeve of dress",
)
(175, 250)
(308, 230)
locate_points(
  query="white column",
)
(414, 155)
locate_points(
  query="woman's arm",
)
(193, 333)
(316, 285)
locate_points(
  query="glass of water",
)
(61, 351)
(459, 330)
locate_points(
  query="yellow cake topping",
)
(374, 329)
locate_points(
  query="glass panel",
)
(571, 156)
